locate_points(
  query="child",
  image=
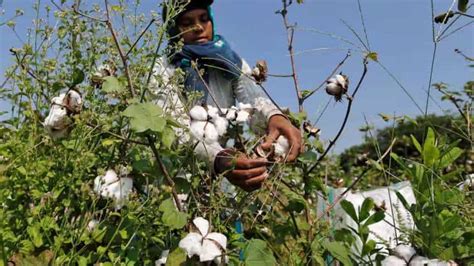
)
(224, 81)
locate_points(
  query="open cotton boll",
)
(203, 243)
(113, 187)
(242, 117)
(341, 80)
(221, 125)
(245, 106)
(92, 225)
(57, 121)
(204, 131)
(207, 151)
(404, 252)
(333, 89)
(393, 261)
(231, 114)
(198, 113)
(73, 101)
(281, 146)
(163, 258)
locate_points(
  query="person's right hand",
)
(240, 170)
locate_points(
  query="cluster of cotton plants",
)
(113, 186)
(58, 122)
(404, 255)
(207, 245)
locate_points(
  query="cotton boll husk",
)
(404, 252)
(281, 146)
(393, 261)
(198, 113)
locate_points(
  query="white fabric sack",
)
(382, 231)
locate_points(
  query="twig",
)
(346, 118)
(453, 100)
(330, 75)
(119, 48)
(290, 35)
(139, 37)
(280, 76)
(162, 166)
(75, 8)
(463, 55)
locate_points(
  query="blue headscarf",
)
(215, 54)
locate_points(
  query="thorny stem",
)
(290, 34)
(346, 118)
(163, 169)
(330, 75)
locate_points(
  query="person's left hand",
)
(278, 125)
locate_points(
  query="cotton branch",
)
(108, 22)
(346, 118)
(290, 34)
(162, 166)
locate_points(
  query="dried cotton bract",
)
(201, 242)
(337, 86)
(112, 187)
(102, 71)
(259, 72)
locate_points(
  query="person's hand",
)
(240, 170)
(278, 125)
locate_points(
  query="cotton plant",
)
(58, 122)
(201, 242)
(112, 186)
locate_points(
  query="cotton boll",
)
(231, 114)
(92, 225)
(198, 129)
(163, 258)
(110, 186)
(245, 106)
(333, 89)
(73, 101)
(221, 125)
(207, 151)
(341, 80)
(419, 261)
(242, 117)
(393, 261)
(210, 133)
(281, 147)
(198, 113)
(212, 112)
(57, 122)
(404, 252)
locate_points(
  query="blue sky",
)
(399, 31)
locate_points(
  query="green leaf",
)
(112, 84)
(449, 157)
(35, 235)
(375, 218)
(77, 77)
(257, 253)
(430, 151)
(176, 258)
(365, 209)
(145, 116)
(462, 5)
(349, 209)
(339, 251)
(368, 247)
(171, 216)
(416, 143)
(167, 137)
